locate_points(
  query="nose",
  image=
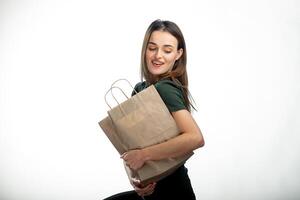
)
(158, 54)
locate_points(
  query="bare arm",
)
(190, 139)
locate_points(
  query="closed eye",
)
(152, 48)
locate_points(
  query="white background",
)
(58, 58)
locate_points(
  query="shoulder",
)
(139, 87)
(168, 86)
(171, 94)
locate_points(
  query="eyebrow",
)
(166, 45)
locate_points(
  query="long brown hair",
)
(179, 72)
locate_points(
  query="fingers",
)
(123, 155)
(127, 162)
(131, 163)
(134, 166)
(136, 182)
(145, 191)
(149, 190)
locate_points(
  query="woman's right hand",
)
(144, 191)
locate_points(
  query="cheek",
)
(150, 54)
(171, 58)
(149, 57)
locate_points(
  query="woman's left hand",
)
(134, 159)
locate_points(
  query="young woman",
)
(163, 63)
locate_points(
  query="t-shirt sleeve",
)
(138, 87)
(171, 95)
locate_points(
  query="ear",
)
(179, 53)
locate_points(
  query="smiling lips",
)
(157, 63)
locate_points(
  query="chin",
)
(154, 71)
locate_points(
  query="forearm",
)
(178, 146)
(190, 139)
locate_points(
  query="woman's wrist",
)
(146, 154)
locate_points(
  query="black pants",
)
(175, 186)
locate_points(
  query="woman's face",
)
(161, 52)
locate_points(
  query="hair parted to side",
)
(179, 72)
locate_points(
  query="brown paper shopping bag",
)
(140, 121)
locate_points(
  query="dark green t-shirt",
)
(169, 91)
